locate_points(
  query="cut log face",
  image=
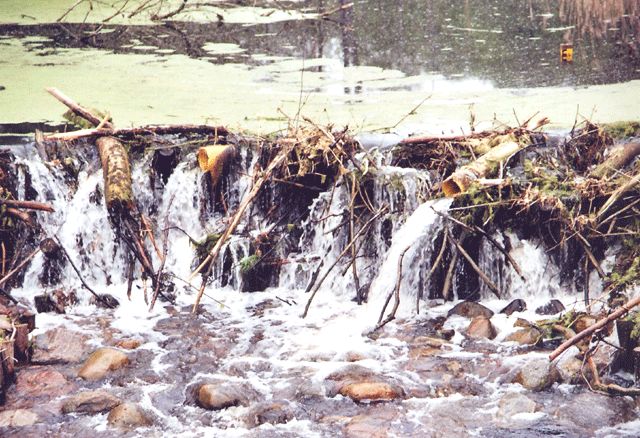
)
(485, 166)
(117, 174)
(212, 159)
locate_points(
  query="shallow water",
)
(367, 66)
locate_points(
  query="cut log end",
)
(450, 188)
(213, 158)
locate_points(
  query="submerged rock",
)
(537, 374)
(525, 336)
(128, 415)
(18, 418)
(470, 309)
(570, 369)
(551, 308)
(101, 362)
(42, 382)
(481, 328)
(221, 396)
(90, 402)
(59, 345)
(371, 391)
(514, 403)
(271, 412)
(514, 306)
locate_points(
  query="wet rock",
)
(41, 382)
(18, 418)
(514, 306)
(105, 301)
(375, 424)
(537, 374)
(551, 308)
(221, 396)
(481, 328)
(525, 336)
(470, 309)
(570, 369)
(272, 412)
(59, 345)
(514, 403)
(371, 391)
(129, 415)
(583, 322)
(56, 301)
(128, 344)
(90, 402)
(592, 411)
(101, 362)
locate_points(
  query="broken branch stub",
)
(485, 166)
(212, 159)
(118, 192)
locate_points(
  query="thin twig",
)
(395, 293)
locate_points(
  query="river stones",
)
(101, 362)
(59, 345)
(216, 396)
(42, 382)
(470, 309)
(481, 328)
(361, 384)
(128, 415)
(551, 308)
(513, 403)
(90, 402)
(271, 412)
(525, 336)
(514, 306)
(17, 418)
(537, 374)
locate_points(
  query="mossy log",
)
(485, 166)
(212, 159)
(118, 192)
(618, 158)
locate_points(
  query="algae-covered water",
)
(366, 64)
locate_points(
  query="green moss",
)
(622, 280)
(204, 247)
(80, 122)
(619, 130)
(248, 263)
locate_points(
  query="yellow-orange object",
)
(212, 159)
(566, 53)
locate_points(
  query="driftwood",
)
(27, 205)
(618, 158)
(128, 133)
(118, 192)
(623, 310)
(485, 166)
(77, 109)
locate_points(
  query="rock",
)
(551, 308)
(105, 301)
(128, 344)
(18, 418)
(583, 322)
(514, 306)
(40, 381)
(128, 415)
(481, 328)
(101, 362)
(470, 309)
(271, 412)
(59, 345)
(537, 374)
(371, 391)
(90, 402)
(221, 396)
(570, 369)
(56, 301)
(526, 336)
(514, 403)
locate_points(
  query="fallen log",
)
(118, 192)
(27, 205)
(487, 165)
(77, 109)
(127, 133)
(212, 159)
(618, 158)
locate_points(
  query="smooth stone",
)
(59, 345)
(271, 412)
(551, 308)
(221, 396)
(18, 418)
(128, 415)
(481, 328)
(470, 309)
(371, 391)
(537, 374)
(514, 403)
(90, 402)
(514, 306)
(42, 382)
(101, 362)
(525, 336)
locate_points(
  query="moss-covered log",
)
(618, 158)
(117, 174)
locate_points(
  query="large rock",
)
(216, 396)
(470, 309)
(371, 391)
(551, 308)
(514, 306)
(514, 403)
(41, 382)
(90, 402)
(525, 336)
(537, 374)
(569, 366)
(481, 328)
(129, 415)
(271, 412)
(101, 362)
(18, 418)
(59, 345)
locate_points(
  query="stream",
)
(489, 61)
